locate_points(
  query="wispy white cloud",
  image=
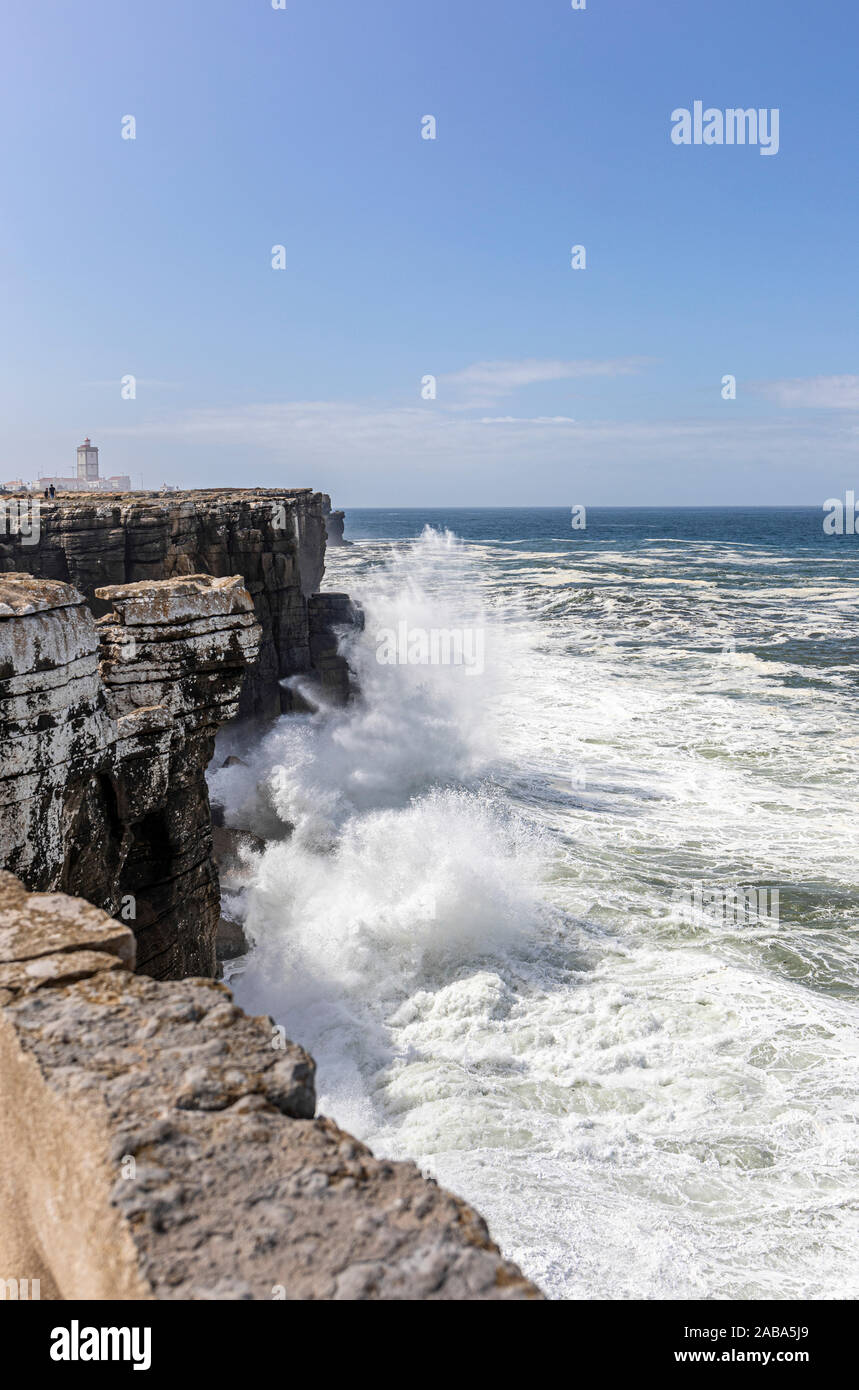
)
(813, 392)
(484, 383)
(376, 455)
(527, 420)
(114, 383)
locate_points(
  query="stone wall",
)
(156, 1142)
(106, 731)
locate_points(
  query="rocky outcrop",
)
(158, 1143)
(107, 730)
(334, 524)
(274, 539)
(327, 616)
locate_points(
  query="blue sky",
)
(406, 257)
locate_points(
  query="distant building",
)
(87, 461)
(87, 478)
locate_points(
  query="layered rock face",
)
(328, 615)
(107, 730)
(158, 1143)
(273, 539)
(335, 523)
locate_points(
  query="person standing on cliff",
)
(52, 490)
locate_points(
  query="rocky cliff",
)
(158, 1143)
(106, 730)
(155, 1142)
(274, 539)
(335, 523)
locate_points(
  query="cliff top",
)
(156, 495)
(22, 593)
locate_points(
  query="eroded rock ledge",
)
(274, 539)
(159, 1143)
(106, 731)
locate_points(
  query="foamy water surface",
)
(467, 906)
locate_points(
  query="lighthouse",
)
(87, 462)
(87, 478)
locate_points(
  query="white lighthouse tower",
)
(87, 462)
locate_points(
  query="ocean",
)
(490, 904)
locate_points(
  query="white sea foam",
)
(471, 926)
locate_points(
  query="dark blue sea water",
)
(799, 528)
(730, 548)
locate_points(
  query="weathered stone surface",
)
(273, 539)
(63, 968)
(53, 923)
(334, 524)
(234, 850)
(230, 940)
(328, 615)
(154, 1143)
(107, 730)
